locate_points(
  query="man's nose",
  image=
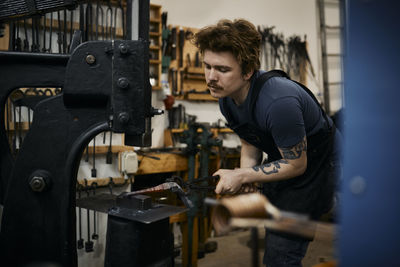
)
(212, 75)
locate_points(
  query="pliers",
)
(172, 185)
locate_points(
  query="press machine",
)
(105, 87)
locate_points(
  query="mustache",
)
(214, 85)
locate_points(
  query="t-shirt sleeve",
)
(285, 122)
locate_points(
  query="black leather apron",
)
(310, 193)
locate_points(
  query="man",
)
(275, 115)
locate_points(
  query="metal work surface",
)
(107, 203)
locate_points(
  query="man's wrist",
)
(245, 174)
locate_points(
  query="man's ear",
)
(248, 75)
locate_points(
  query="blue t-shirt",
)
(284, 109)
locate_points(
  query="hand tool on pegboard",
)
(173, 43)
(109, 21)
(95, 236)
(18, 40)
(122, 16)
(59, 33)
(89, 22)
(26, 41)
(65, 30)
(94, 171)
(71, 29)
(181, 46)
(88, 243)
(44, 34)
(80, 242)
(109, 155)
(99, 14)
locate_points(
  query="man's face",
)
(224, 75)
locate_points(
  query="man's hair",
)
(240, 37)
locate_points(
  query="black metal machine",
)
(105, 86)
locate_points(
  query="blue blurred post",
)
(370, 213)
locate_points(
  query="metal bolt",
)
(155, 111)
(123, 48)
(357, 185)
(37, 183)
(123, 117)
(90, 59)
(123, 83)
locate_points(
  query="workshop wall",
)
(290, 17)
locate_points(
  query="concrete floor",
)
(234, 250)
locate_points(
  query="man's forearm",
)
(274, 171)
(293, 164)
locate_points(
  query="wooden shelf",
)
(168, 162)
(155, 20)
(23, 126)
(198, 70)
(217, 130)
(155, 36)
(103, 181)
(104, 149)
(200, 97)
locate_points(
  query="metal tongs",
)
(177, 185)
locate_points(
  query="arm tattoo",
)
(295, 151)
(276, 166)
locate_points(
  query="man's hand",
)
(248, 188)
(230, 181)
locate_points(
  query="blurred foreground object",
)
(254, 210)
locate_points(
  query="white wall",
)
(290, 17)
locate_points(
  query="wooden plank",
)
(168, 163)
(104, 149)
(23, 126)
(216, 130)
(103, 181)
(198, 70)
(224, 130)
(154, 47)
(207, 97)
(168, 141)
(181, 217)
(4, 40)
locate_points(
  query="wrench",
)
(80, 241)
(88, 243)
(95, 236)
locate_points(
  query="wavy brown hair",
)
(240, 37)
